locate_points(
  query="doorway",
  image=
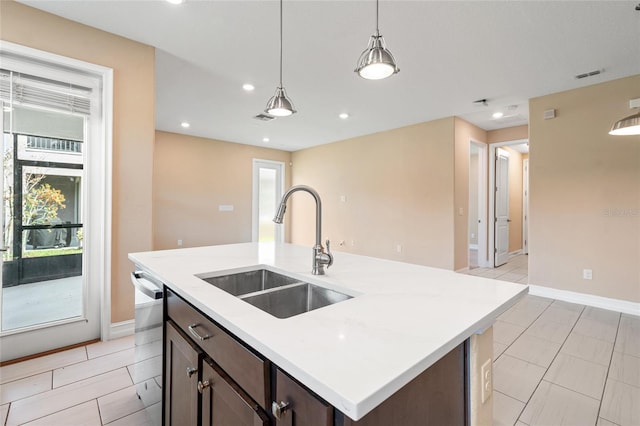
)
(55, 209)
(477, 204)
(508, 202)
(268, 187)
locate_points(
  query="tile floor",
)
(516, 270)
(555, 363)
(90, 385)
(558, 363)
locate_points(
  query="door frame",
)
(97, 258)
(525, 206)
(280, 171)
(492, 184)
(483, 262)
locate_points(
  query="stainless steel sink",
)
(294, 299)
(276, 294)
(250, 282)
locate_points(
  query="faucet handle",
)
(329, 254)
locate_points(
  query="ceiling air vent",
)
(264, 117)
(589, 74)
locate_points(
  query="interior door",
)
(525, 206)
(501, 208)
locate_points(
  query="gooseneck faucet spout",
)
(320, 257)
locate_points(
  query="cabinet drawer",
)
(246, 368)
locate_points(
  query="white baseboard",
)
(617, 305)
(515, 253)
(121, 329)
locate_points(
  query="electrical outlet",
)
(399, 248)
(179, 243)
(486, 381)
(587, 274)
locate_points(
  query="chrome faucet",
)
(320, 258)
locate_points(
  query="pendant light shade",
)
(376, 62)
(627, 126)
(280, 105)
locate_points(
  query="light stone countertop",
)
(356, 353)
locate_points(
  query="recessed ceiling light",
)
(175, 1)
(265, 139)
(344, 115)
(185, 124)
(248, 87)
(497, 115)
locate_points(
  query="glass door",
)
(47, 299)
(42, 264)
(268, 186)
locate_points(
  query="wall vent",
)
(264, 117)
(589, 74)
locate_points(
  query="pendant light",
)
(280, 105)
(376, 62)
(627, 126)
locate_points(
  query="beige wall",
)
(191, 177)
(515, 199)
(133, 125)
(508, 134)
(464, 132)
(585, 192)
(398, 189)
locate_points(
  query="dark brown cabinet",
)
(296, 406)
(224, 403)
(182, 361)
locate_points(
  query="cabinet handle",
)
(203, 385)
(279, 409)
(191, 371)
(194, 333)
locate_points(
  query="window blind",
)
(42, 92)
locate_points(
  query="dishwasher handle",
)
(143, 282)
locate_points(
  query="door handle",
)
(508, 220)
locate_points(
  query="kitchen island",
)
(355, 354)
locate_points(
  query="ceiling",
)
(450, 54)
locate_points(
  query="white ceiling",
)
(450, 53)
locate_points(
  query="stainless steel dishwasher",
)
(147, 370)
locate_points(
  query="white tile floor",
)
(555, 363)
(90, 385)
(558, 363)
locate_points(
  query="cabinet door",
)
(298, 406)
(181, 379)
(224, 403)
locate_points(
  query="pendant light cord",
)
(377, 13)
(281, 43)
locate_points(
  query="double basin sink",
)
(276, 294)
